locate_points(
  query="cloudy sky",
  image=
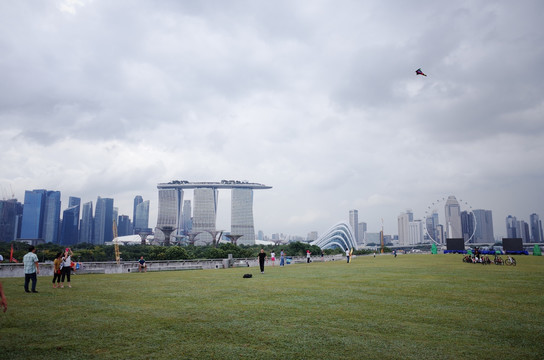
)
(318, 99)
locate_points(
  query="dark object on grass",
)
(247, 276)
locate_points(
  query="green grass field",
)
(409, 307)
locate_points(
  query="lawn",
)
(409, 307)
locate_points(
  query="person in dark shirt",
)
(262, 258)
(142, 265)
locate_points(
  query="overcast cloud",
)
(318, 99)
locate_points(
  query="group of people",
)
(62, 269)
(477, 259)
(263, 258)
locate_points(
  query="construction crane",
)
(116, 243)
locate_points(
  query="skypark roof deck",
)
(224, 184)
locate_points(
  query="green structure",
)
(433, 249)
(537, 251)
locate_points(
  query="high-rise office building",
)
(141, 220)
(536, 228)
(87, 223)
(512, 227)
(404, 220)
(484, 226)
(415, 232)
(187, 221)
(11, 213)
(453, 218)
(467, 225)
(362, 233)
(524, 230)
(124, 226)
(69, 234)
(205, 214)
(51, 219)
(33, 214)
(430, 226)
(103, 221)
(69, 229)
(440, 234)
(354, 222)
(138, 199)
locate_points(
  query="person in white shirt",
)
(66, 267)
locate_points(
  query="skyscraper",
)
(242, 215)
(186, 218)
(33, 214)
(354, 222)
(524, 230)
(141, 221)
(484, 226)
(170, 200)
(453, 218)
(124, 227)
(404, 220)
(69, 234)
(467, 225)
(415, 232)
(137, 200)
(69, 230)
(51, 218)
(87, 223)
(362, 233)
(103, 221)
(11, 213)
(536, 228)
(205, 213)
(205, 198)
(512, 227)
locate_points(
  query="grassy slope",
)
(412, 306)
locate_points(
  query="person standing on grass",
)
(56, 270)
(308, 256)
(273, 257)
(262, 258)
(347, 255)
(32, 268)
(3, 300)
(66, 267)
(282, 258)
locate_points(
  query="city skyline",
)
(486, 224)
(318, 99)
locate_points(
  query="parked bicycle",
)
(510, 261)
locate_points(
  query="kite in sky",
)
(419, 72)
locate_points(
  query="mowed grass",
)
(409, 307)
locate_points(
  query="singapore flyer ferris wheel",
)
(448, 218)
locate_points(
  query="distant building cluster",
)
(474, 226)
(37, 219)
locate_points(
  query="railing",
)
(111, 267)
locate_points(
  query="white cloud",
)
(317, 99)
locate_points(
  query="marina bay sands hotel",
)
(170, 212)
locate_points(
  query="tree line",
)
(88, 252)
